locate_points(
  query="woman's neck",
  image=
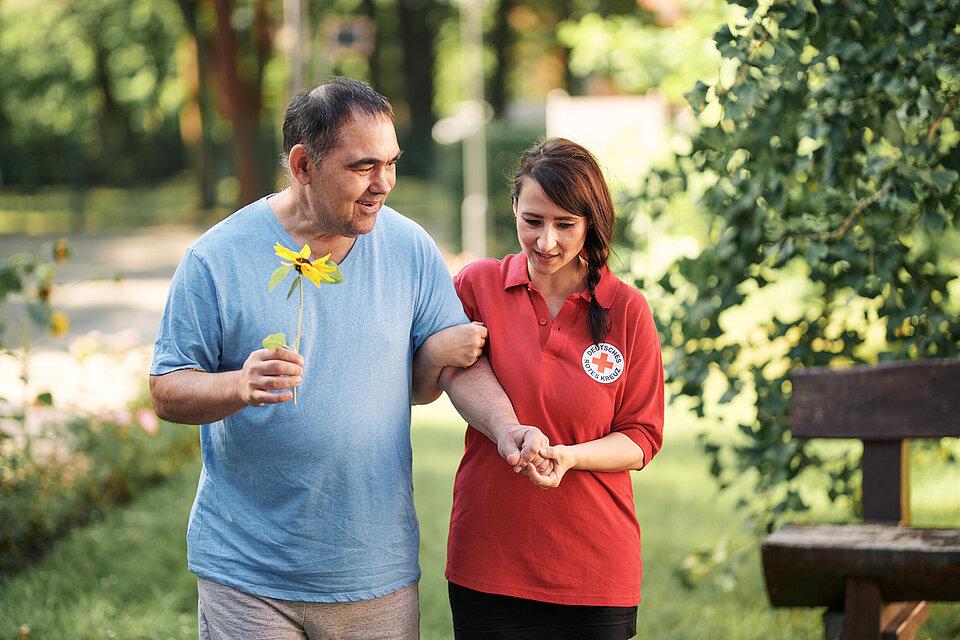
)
(570, 279)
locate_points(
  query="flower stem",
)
(296, 346)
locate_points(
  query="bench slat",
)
(893, 401)
(807, 565)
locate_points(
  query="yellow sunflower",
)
(316, 271)
(320, 271)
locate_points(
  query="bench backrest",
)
(884, 406)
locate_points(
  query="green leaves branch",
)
(830, 151)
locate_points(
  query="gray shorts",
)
(227, 614)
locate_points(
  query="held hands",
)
(559, 458)
(266, 371)
(457, 346)
(527, 450)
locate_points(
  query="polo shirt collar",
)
(517, 275)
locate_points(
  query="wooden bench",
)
(875, 577)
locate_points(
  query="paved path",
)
(113, 289)
(113, 282)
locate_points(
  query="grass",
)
(57, 210)
(125, 577)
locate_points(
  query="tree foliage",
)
(85, 84)
(827, 164)
(639, 53)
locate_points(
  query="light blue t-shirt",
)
(310, 502)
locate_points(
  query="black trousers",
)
(489, 616)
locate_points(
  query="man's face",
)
(352, 181)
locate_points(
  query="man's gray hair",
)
(314, 118)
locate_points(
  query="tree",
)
(828, 162)
(638, 53)
(239, 47)
(196, 114)
(89, 91)
(417, 21)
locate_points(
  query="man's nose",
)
(381, 181)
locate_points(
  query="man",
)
(304, 523)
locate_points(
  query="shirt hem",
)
(301, 596)
(578, 598)
(162, 371)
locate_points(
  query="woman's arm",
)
(457, 346)
(613, 452)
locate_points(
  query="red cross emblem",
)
(603, 363)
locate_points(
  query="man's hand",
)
(520, 445)
(266, 371)
(456, 346)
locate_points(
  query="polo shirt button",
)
(543, 321)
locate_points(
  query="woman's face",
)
(551, 238)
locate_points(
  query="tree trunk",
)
(115, 130)
(418, 62)
(235, 103)
(369, 9)
(570, 82)
(195, 115)
(501, 39)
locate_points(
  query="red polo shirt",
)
(577, 544)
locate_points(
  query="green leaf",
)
(697, 97)
(44, 399)
(944, 179)
(293, 286)
(278, 277)
(275, 341)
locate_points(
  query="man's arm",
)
(478, 396)
(190, 396)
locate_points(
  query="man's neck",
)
(289, 211)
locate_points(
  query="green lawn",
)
(125, 577)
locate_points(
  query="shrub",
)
(106, 461)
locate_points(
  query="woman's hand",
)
(558, 459)
(456, 346)
(613, 452)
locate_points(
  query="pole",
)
(293, 17)
(473, 210)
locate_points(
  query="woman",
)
(578, 354)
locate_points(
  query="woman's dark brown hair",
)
(572, 179)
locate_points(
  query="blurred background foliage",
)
(101, 94)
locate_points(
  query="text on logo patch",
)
(603, 362)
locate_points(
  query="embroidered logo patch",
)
(604, 362)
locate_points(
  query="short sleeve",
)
(463, 283)
(190, 334)
(639, 415)
(437, 304)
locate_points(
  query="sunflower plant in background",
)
(319, 271)
(26, 289)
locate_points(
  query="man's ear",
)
(300, 164)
